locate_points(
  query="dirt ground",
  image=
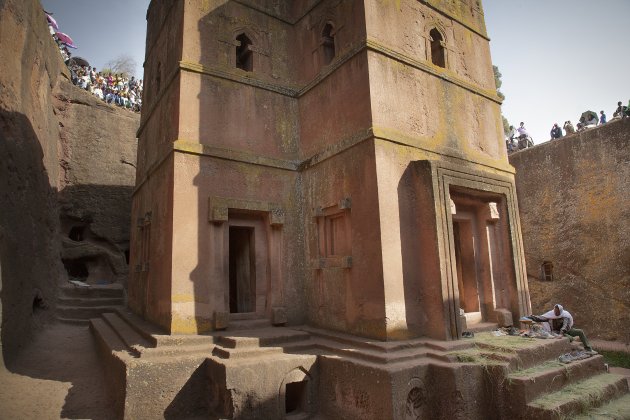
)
(57, 376)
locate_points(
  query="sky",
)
(103, 29)
(558, 58)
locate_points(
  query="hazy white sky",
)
(558, 58)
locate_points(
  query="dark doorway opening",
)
(465, 259)
(242, 270)
(295, 397)
(77, 233)
(76, 269)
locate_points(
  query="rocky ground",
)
(57, 376)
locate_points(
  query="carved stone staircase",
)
(535, 385)
(154, 374)
(77, 304)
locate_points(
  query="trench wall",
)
(574, 199)
(50, 133)
(29, 171)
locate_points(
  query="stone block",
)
(279, 315)
(221, 320)
(504, 317)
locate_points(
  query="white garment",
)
(551, 315)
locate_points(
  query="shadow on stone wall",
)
(94, 224)
(29, 252)
(192, 400)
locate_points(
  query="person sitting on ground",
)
(602, 118)
(568, 127)
(560, 322)
(592, 121)
(511, 144)
(621, 110)
(556, 132)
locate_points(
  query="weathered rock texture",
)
(58, 144)
(98, 155)
(29, 169)
(574, 199)
(316, 184)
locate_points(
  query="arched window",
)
(244, 54)
(437, 49)
(328, 43)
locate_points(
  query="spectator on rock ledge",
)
(556, 132)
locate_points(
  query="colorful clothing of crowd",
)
(114, 89)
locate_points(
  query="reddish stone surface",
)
(573, 197)
(343, 171)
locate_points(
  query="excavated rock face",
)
(29, 166)
(574, 200)
(98, 155)
(66, 176)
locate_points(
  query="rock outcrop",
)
(66, 171)
(574, 200)
(98, 155)
(29, 171)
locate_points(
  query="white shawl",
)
(551, 315)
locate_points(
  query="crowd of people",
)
(518, 139)
(116, 89)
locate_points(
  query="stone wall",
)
(58, 145)
(574, 199)
(29, 170)
(98, 159)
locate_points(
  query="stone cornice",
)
(195, 148)
(376, 133)
(444, 74)
(245, 78)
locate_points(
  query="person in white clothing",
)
(560, 322)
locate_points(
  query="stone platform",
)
(303, 372)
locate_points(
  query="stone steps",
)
(482, 327)
(118, 333)
(535, 385)
(614, 410)
(87, 302)
(578, 397)
(106, 337)
(82, 312)
(247, 324)
(78, 304)
(111, 290)
(127, 334)
(525, 358)
(382, 346)
(254, 338)
(525, 386)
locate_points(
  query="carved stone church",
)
(322, 168)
